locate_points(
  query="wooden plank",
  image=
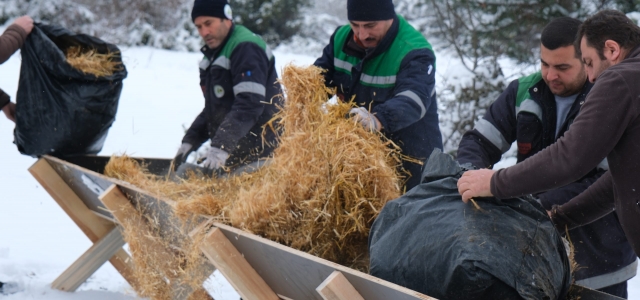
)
(91, 225)
(296, 275)
(337, 287)
(235, 268)
(127, 215)
(89, 262)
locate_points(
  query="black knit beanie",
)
(211, 8)
(370, 10)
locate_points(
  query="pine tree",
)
(275, 20)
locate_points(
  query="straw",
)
(89, 61)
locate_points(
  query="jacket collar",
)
(635, 52)
(352, 48)
(211, 53)
(541, 89)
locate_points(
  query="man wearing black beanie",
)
(387, 68)
(238, 80)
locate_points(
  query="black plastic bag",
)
(60, 110)
(430, 241)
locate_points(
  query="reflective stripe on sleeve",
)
(530, 106)
(250, 87)
(605, 280)
(492, 134)
(411, 95)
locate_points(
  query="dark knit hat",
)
(370, 10)
(211, 8)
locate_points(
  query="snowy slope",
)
(37, 240)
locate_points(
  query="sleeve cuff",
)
(4, 99)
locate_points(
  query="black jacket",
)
(601, 247)
(238, 80)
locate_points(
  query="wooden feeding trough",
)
(257, 268)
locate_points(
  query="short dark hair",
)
(560, 32)
(609, 25)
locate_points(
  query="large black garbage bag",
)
(60, 110)
(430, 241)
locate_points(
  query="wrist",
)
(4, 100)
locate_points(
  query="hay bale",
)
(328, 179)
(89, 61)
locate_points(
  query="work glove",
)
(215, 159)
(183, 152)
(366, 119)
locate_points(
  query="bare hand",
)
(10, 111)
(475, 184)
(25, 22)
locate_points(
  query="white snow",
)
(38, 241)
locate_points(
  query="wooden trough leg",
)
(126, 213)
(94, 227)
(90, 262)
(337, 287)
(226, 258)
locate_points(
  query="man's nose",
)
(552, 74)
(363, 34)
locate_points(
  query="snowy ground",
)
(37, 240)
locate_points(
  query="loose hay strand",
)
(328, 180)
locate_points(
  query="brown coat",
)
(10, 41)
(607, 126)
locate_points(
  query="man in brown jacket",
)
(10, 41)
(608, 126)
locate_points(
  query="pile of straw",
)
(91, 62)
(328, 179)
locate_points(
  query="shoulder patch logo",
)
(524, 148)
(219, 91)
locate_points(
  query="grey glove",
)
(366, 119)
(215, 159)
(183, 152)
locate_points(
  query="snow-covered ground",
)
(37, 239)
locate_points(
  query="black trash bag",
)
(60, 110)
(429, 241)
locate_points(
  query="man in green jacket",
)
(387, 68)
(238, 79)
(608, 126)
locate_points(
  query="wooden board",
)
(296, 275)
(337, 287)
(89, 262)
(290, 273)
(235, 268)
(94, 227)
(127, 215)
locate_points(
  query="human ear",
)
(612, 50)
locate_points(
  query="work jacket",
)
(238, 80)
(395, 81)
(10, 41)
(525, 113)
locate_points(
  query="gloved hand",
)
(366, 119)
(183, 152)
(215, 159)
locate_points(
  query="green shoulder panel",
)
(240, 35)
(381, 70)
(524, 84)
(342, 61)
